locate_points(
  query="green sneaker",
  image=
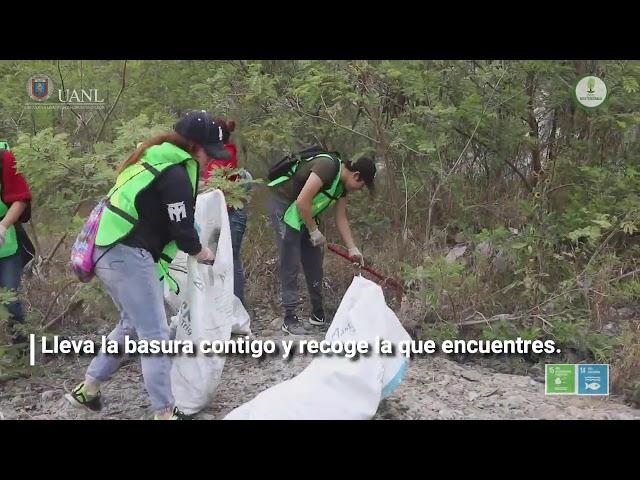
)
(176, 415)
(80, 398)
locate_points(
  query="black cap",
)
(367, 169)
(200, 127)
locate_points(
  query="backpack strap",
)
(336, 157)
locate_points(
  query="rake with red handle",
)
(384, 280)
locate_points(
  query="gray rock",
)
(545, 412)
(49, 395)
(7, 413)
(602, 416)
(625, 313)
(575, 412)
(455, 253)
(205, 416)
(485, 248)
(276, 323)
(625, 416)
(446, 414)
(516, 401)
(501, 263)
(471, 396)
(491, 391)
(471, 375)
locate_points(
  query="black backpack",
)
(285, 166)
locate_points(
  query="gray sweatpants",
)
(129, 276)
(295, 248)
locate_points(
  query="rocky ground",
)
(434, 388)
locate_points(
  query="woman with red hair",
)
(148, 217)
(237, 216)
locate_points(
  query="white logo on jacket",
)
(177, 211)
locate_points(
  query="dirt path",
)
(434, 388)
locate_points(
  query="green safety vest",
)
(323, 200)
(10, 246)
(121, 215)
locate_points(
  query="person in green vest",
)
(15, 200)
(319, 181)
(148, 217)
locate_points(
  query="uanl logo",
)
(590, 91)
(40, 88)
(72, 96)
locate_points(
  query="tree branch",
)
(495, 318)
(78, 116)
(562, 186)
(495, 152)
(337, 124)
(333, 122)
(72, 306)
(115, 102)
(519, 173)
(57, 245)
(406, 201)
(628, 274)
(55, 299)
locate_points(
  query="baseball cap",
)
(199, 127)
(367, 169)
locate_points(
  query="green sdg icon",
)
(560, 379)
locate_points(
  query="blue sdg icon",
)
(593, 379)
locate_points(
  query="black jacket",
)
(166, 212)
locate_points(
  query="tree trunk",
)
(382, 152)
(534, 133)
(552, 136)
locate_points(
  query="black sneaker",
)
(318, 319)
(177, 415)
(80, 398)
(293, 326)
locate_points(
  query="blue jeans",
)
(238, 224)
(129, 276)
(11, 278)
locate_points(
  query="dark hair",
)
(171, 137)
(366, 167)
(228, 126)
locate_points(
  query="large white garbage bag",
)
(207, 307)
(335, 387)
(211, 207)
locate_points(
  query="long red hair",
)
(171, 137)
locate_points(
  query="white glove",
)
(3, 232)
(355, 253)
(317, 239)
(205, 256)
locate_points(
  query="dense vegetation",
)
(505, 207)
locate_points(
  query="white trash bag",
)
(211, 207)
(206, 307)
(335, 387)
